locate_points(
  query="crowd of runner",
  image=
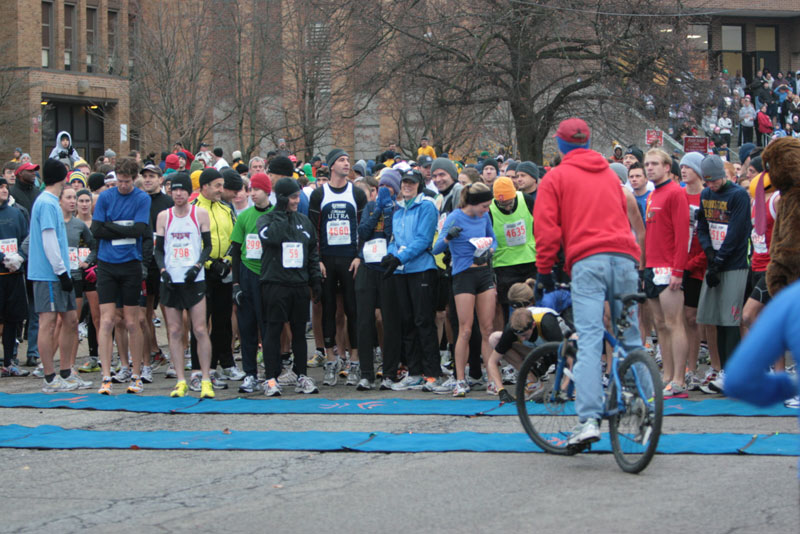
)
(417, 273)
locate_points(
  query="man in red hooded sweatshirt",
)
(581, 206)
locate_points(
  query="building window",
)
(112, 40)
(732, 46)
(697, 38)
(132, 40)
(765, 38)
(91, 37)
(70, 34)
(47, 33)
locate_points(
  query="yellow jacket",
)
(222, 220)
(427, 151)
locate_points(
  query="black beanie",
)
(54, 171)
(757, 164)
(636, 152)
(96, 180)
(333, 155)
(181, 180)
(218, 152)
(209, 175)
(286, 187)
(281, 166)
(490, 162)
(233, 182)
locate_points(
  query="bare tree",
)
(15, 114)
(544, 59)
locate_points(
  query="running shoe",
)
(180, 389)
(410, 382)
(122, 376)
(32, 361)
(58, 385)
(207, 389)
(675, 391)
(105, 387)
(606, 381)
(39, 371)
(233, 374)
(793, 403)
(194, 381)
(272, 389)
(505, 397)
(343, 364)
(386, 383)
(587, 432)
(83, 331)
(476, 383)
(317, 359)
(147, 374)
(171, 372)
(534, 391)
(431, 383)
(306, 385)
(445, 387)
(248, 385)
(402, 372)
(377, 355)
(354, 376)
(329, 379)
(461, 388)
(693, 381)
(364, 385)
(92, 365)
(703, 355)
(658, 357)
(287, 377)
(156, 322)
(136, 385)
(75, 378)
(157, 359)
(13, 371)
(711, 375)
(217, 381)
(509, 374)
(491, 389)
(718, 385)
(446, 362)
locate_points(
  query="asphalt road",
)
(203, 491)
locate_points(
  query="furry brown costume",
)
(782, 158)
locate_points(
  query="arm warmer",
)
(206, 252)
(236, 260)
(53, 251)
(158, 252)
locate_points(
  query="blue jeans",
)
(597, 279)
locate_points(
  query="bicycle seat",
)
(632, 297)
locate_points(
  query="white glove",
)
(13, 261)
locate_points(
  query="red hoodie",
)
(668, 230)
(580, 204)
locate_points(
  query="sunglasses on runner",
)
(528, 327)
(523, 304)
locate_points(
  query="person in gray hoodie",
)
(64, 148)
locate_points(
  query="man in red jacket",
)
(581, 206)
(666, 253)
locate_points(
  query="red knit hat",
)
(261, 181)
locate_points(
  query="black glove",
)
(390, 263)
(63, 155)
(66, 281)
(237, 294)
(220, 267)
(483, 258)
(166, 278)
(316, 290)
(712, 276)
(544, 284)
(191, 274)
(453, 232)
(281, 202)
(710, 254)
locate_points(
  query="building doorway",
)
(83, 121)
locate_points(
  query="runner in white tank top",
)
(182, 245)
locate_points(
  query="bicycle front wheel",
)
(635, 423)
(546, 415)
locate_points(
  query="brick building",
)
(69, 60)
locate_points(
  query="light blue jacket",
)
(413, 226)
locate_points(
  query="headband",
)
(479, 198)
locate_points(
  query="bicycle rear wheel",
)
(636, 427)
(547, 418)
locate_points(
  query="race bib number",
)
(183, 254)
(374, 250)
(252, 247)
(718, 232)
(516, 233)
(73, 258)
(759, 242)
(126, 240)
(480, 244)
(83, 254)
(338, 232)
(292, 255)
(661, 275)
(8, 246)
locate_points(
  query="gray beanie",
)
(391, 178)
(528, 167)
(694, 161)
(446, 165)
(333, 155)
(713, 168)
(621, 170)
(360, 167)
(511, 165)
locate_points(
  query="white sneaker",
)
(58, 385)
(718, 385)
(306, 385)
(171, 372)
(122, 376)
(364, 385)
(509, 374)
(272, 388)
(147, 374)
(445, 387)
(233, 373)
(81, 383)
(794, 402)
(410, 382)
(287, 377)
(587, 432)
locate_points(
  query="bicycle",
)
(633, 401)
